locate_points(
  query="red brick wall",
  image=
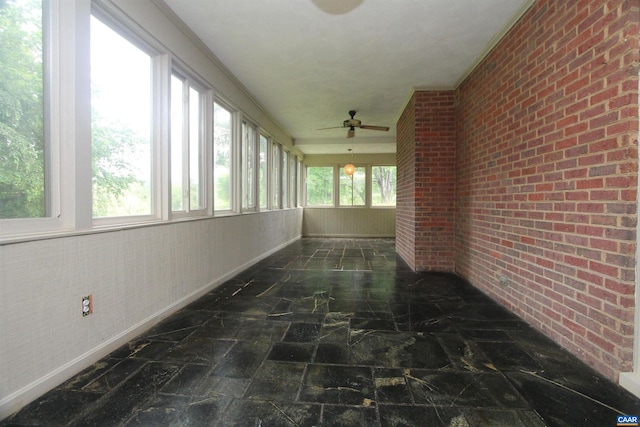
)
(425, 207)
(547, 175)
(405, 194)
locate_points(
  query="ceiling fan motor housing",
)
(351, 123)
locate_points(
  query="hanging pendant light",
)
(349, 168)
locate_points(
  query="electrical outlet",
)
(87, 305)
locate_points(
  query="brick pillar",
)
(426, 160)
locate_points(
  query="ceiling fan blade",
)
(351, 133)
(334, 127)
(384, 128)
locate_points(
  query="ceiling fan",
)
(352, 124)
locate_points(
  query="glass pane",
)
(293, 176)
(177, 135)
(285, 179)
(22, 146)
(263, 171)
(195, 136)
(299, 183)
(248, 154)
(222, 157)
(120, 124)
(276, 175)
(320, 186)
(353, 188)
(383, 182)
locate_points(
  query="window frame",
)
(233, 158)
(160, 75)
(370, 178)
(338, 196)
(333, 186)
(263, 186)
(276, 175)
(337, 173)
(55, 35)
(247, 164)
(204, 144)
(284, 179)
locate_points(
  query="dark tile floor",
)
(336, 333)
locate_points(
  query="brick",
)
(546, 174)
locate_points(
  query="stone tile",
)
(396, 349)
(432, 416)
(330, 353)
(58, 407)
(115, 376)
(243, 413)
(574, 399)
(349, 385)
(199, 350)
(290, 352)
(464, 389)
(242, 360)
(502, 418)
(119, 405)
(178, 326)
(163, 409)
(508, 356)
(186, 380)
(391, 386)
(212, 386)
(302, 332)
(203, 412)
(344, 416)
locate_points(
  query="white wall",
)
(349, 222)
(136, 277)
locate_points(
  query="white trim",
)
(631, 380)
(351, 236)
(18, 399)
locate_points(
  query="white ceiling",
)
(308, 62)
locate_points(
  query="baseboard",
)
(351, 236)
(631, 382)
(20, 398)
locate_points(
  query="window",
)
(285, 179)
(248, 166)
(275, 174)
(23, 148)
(353, 188)
(299, 169)
(319, 186)
(222, 171)
(293, 177)
(120, 124)
(262, 178)
(187, 145)
(383, 186)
